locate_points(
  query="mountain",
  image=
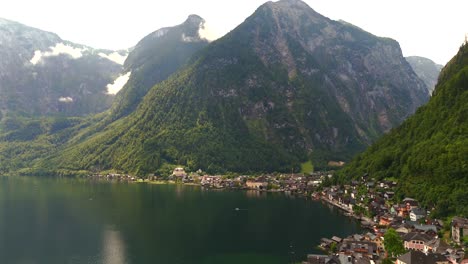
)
(426, 69)
(25, 140)
(155, 58)
(286, 86)
(41, 74)
(428, 153)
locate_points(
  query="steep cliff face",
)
(429, 151)
(285, 86)
(41, 74)
(426, 69)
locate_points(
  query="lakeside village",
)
(421, 240)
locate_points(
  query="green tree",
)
(333, 247)
(393, 243)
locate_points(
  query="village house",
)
(389, 195)
(427, 229)
(257, 185)
(459, 229)
(317, 259)
(410, 203)
(211, 181)
(179, 172)
(385, 220)
(404, 228)
(455, 256)
(402, 211)
(358, 249)
(417, 257)
(420, 242)
(416, 214)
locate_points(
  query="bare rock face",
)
(41, 74)
(426, 69)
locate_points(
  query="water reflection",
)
(113, 248)
(255, 194)
(58, 221)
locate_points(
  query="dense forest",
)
(428, 153)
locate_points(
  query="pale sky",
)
(430, 28)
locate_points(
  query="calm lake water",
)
(81, 221)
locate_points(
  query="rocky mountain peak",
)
(290, 4)
(194, 20)
(191, 28)
(293, 10)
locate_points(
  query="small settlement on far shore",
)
(371, 202)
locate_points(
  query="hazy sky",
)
(429, 28)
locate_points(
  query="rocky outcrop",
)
(426, 69)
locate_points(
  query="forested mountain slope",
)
(286, 86)
(428, 153)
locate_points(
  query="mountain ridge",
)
(285, 86)
(41, 74)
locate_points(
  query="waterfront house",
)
(211, 181)
(358, 249)
(317, 259)
(333, 196)
(326, 243)
(179, 172)
(337, 239)
(459, 229)
(257, 185)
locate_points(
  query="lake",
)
(52, 220)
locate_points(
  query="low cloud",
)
(189, 39)
(66, 99)
(114, 88)
(208, 32)
(59, 48)
(205, 31)
(115, 57)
